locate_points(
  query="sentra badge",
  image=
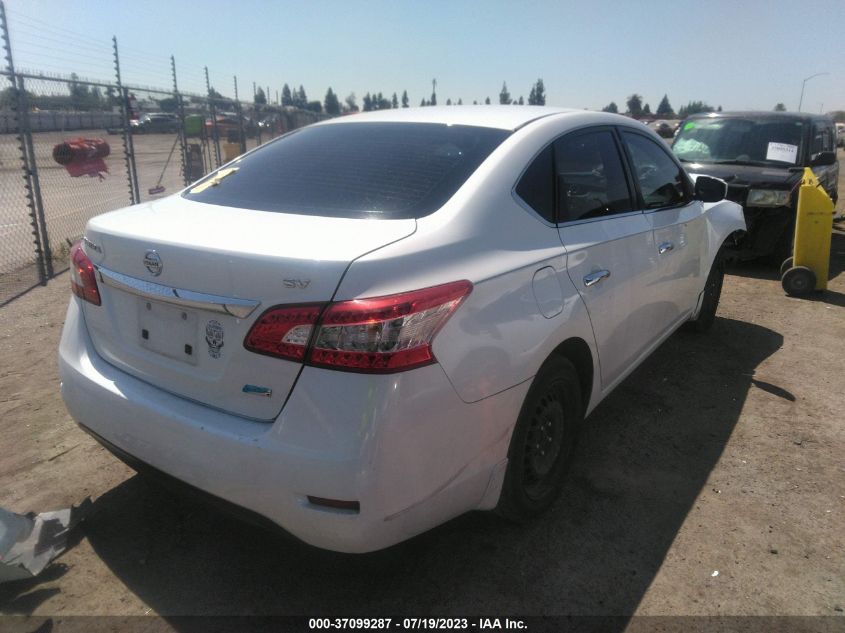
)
(152, 261)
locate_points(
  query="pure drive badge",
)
(214, 338)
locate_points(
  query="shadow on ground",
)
(643, 459)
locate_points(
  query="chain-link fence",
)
(78, 156)
(21, 260)
(72, 147)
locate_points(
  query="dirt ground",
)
(722, 453)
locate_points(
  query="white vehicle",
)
(379, 322)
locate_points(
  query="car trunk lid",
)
(182, 282)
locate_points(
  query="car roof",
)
(762, 114)
(504, 117)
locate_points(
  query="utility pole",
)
(804, 83)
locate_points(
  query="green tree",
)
(487, 101)
(521, 100)
(423, 103)
(460, 101)
(260, 97)
(287, 97)
(694, 107)
(351, 103)
(537, 96)
(780, 108)
(168, 104)
(394, 103)
(433, 100)
(504, 95)
(448, 102)
(331, 103)
(382, 103)
(314, 106)
(300, 100)
(368, 103)
(404, 98)
(664, 109)
(647, 109)
(610, 107)
(635, 105)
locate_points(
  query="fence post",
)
(183, 142)
(128, 143)
(213, 110)
(32, 187)
(241, 135)
(39, 222)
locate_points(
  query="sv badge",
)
(302, 284)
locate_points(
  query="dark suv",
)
(761, 155)
(157, 122)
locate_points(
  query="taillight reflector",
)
(83, 280)
(378, 335)
(283, 331)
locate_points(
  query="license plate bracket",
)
(168, 330)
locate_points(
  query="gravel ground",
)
(722, 453)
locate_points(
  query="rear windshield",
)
(385, 170)
(740, 141)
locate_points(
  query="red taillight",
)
(83, 280)
(283, 331)
(379, 335)
(385, 334)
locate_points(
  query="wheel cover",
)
(543, 445)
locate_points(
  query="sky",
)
(740, 54)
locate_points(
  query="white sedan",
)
(374, 324)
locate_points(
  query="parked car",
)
(840, 134)
(228, 126)
(761, 155)
(155, 122)
(664, 128)
(376, 323)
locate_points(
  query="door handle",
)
(593, 278)
(665, 247)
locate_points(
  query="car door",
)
(664, 193)
(822, 140)
(609, 244)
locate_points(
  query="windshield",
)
(743, 141)
(387, 170)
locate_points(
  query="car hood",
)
(747, 175)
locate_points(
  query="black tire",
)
(543, 441)
(710, 301)
(786, 265)
(798, 281)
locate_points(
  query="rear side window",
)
(590, 178)
(537, 185)
(662, 182)
(822, 140)
(384, 170)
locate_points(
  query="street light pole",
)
(804, 83)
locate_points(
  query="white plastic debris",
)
(29, 542)
(714, 574)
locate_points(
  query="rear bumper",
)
(403, 445)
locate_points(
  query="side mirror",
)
(709, 189)
(823, 159)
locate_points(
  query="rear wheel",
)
(786, 265)
(543, 441)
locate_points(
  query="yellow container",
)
(813, 228)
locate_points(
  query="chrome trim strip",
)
(240, 308)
